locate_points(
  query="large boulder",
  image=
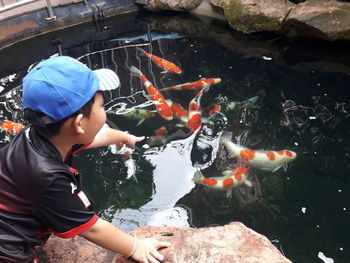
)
(176, 5)
(232, 243)
(251, 16)
(327, 19)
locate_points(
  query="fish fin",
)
(164, 72)
(229, 193)
(250, 102)
(227, 173)
(206, 88)
(164, 89)
(142, 51)
(227, 135)
(169, 102)
(248, 183)
(179, 125)
(140, 122)
(135, 71)
(184, 119)
(198, 177)
(107, 111)
(134, 177)
(277, 168)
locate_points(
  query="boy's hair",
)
(33, 117)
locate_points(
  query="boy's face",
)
(97, 117)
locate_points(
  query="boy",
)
(39, 193)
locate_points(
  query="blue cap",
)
(60, 86)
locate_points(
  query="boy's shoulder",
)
(30, 159)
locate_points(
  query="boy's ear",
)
(78, 123)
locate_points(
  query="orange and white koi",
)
(199, 84)
(195, 111)
(164, 64)
(161, 104)
(11, 127)
(230, 179)
(269, 161)
(179, 112)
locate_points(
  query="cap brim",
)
(108, 79)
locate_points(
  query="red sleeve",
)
(79, 229)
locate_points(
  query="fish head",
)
(290, 154)
(217, 80)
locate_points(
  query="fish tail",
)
(248, 183)
(226, 135)
(198, 177)
(142, 51)
(164, 89)
(135, 71)
(140, 122)
(170, 103)
(250, 102)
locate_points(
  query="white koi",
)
(264, 160)
(230, 179)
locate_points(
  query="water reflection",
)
(172, 179)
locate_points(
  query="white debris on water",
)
(324, 258)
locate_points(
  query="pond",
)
(302, 104)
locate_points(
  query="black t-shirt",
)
(39, 195)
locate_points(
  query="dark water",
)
(304, 107)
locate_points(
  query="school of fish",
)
(193, 117)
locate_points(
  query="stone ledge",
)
(231, 243)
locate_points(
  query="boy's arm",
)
(107, 136)
(108, 236)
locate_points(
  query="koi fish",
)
(199, 84)
(269, 161)
(161, 104)
(165, 65)
(11, 127)
(147, 37)
(134, 114)
(195, 111)
(179, 112)
(231, 106)
(230, 179)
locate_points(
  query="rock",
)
(176, 5)
(77, 250)
(206, 9)
(232, 243)
(250, 16)
(327, 20)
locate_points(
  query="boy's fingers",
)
(152, 259)
(162, 244)
(157, 255)
(138, 139)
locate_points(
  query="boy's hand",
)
(146, 251)
(132, 140)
